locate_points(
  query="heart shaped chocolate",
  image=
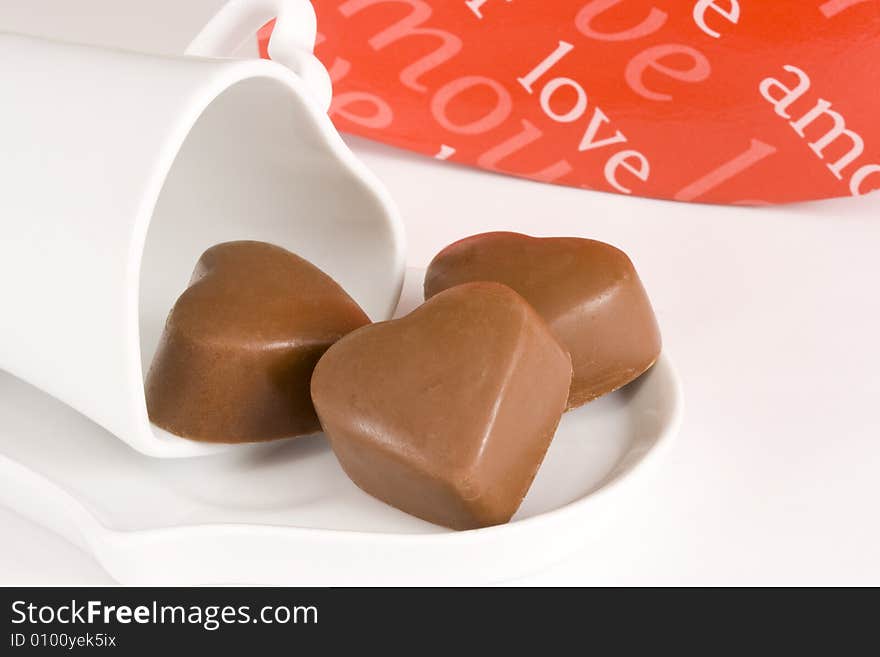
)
(587, 291)
(240, 344)
(446, 413)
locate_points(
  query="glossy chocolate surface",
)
(236, 358)
(447, 412)
(587, 291)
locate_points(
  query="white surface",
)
(208, 28)
(202, 520)
(773, 315)
(141, 161)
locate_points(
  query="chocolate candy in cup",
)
(239, 347)
(446, 413)
(587, 291)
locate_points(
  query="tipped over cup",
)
(119, 169)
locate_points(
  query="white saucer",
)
(285, 514)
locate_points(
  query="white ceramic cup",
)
(118, 169)
(206, 28)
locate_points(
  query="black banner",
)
(146, 620)
(134, 621)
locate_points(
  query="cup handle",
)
(292, 43)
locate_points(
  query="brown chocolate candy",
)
(446, 413)
(236, 358)
(587, 291)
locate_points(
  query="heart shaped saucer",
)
(285, 513)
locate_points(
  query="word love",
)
(631, 160)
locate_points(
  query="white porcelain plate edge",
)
(283, 555)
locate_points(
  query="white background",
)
(772, 316)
